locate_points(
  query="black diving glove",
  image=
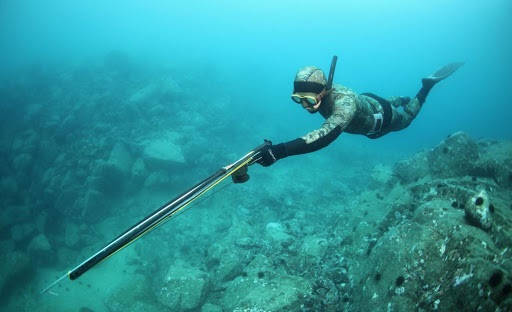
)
(271, 153)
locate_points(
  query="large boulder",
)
(313, 249)
(157, 179)
(158, 91)
(120, 159)
(442, 263)
(223, 262)
(71, 234)
(495, 162)
(138, 172)
(163, 151)
(134, 296)
(91, 206)
(66, 203)
(111, 176)
(277, 235)
(411, 169)
(182, 288)
(261, 288)
(455, 156)
(40, 248)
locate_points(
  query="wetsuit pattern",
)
(354, 113)
(403, 113)
(339, 109)
(346, 111)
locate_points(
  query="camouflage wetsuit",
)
(345, 110)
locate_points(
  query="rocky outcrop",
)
(183, 288)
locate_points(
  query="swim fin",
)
(430, 81)
(441, 74)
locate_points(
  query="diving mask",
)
(310, 99)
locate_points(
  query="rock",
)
(453, 157)
(111, 176)
(39, 244)
(108, 177)
(65, 203)
(157, 179)
(144, 94)
(135, 296)
(495, 162)
(164, 89)
(381, 173)
(13, 264)
(265, 290)
(139, 172)
(260, 267)
(183, 287)
(223, 261)
(246, 242)
(276, 233)
(39, 248)
(208, 307)
(163, 152)
(91, 206)
(20, 232)
(10, 215)
(314, 247)
(411, 169)
(230, 266)
(478, 212)
(41, 221)
(71, 235)
(120, 159)
(432, 261)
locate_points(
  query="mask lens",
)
(296, 98)
(310, 100)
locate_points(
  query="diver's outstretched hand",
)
(267, 155)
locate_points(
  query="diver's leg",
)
(404, 112)
(403, 115)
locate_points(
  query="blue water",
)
(237, 60)
(255, 48)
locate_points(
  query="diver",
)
(346, 111)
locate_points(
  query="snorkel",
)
(331, 73)
(327, 88)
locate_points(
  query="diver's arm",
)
(311, 142)
(333, 126)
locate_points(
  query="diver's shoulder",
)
(340, 89)
(343, 93)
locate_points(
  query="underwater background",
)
(110, 109)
